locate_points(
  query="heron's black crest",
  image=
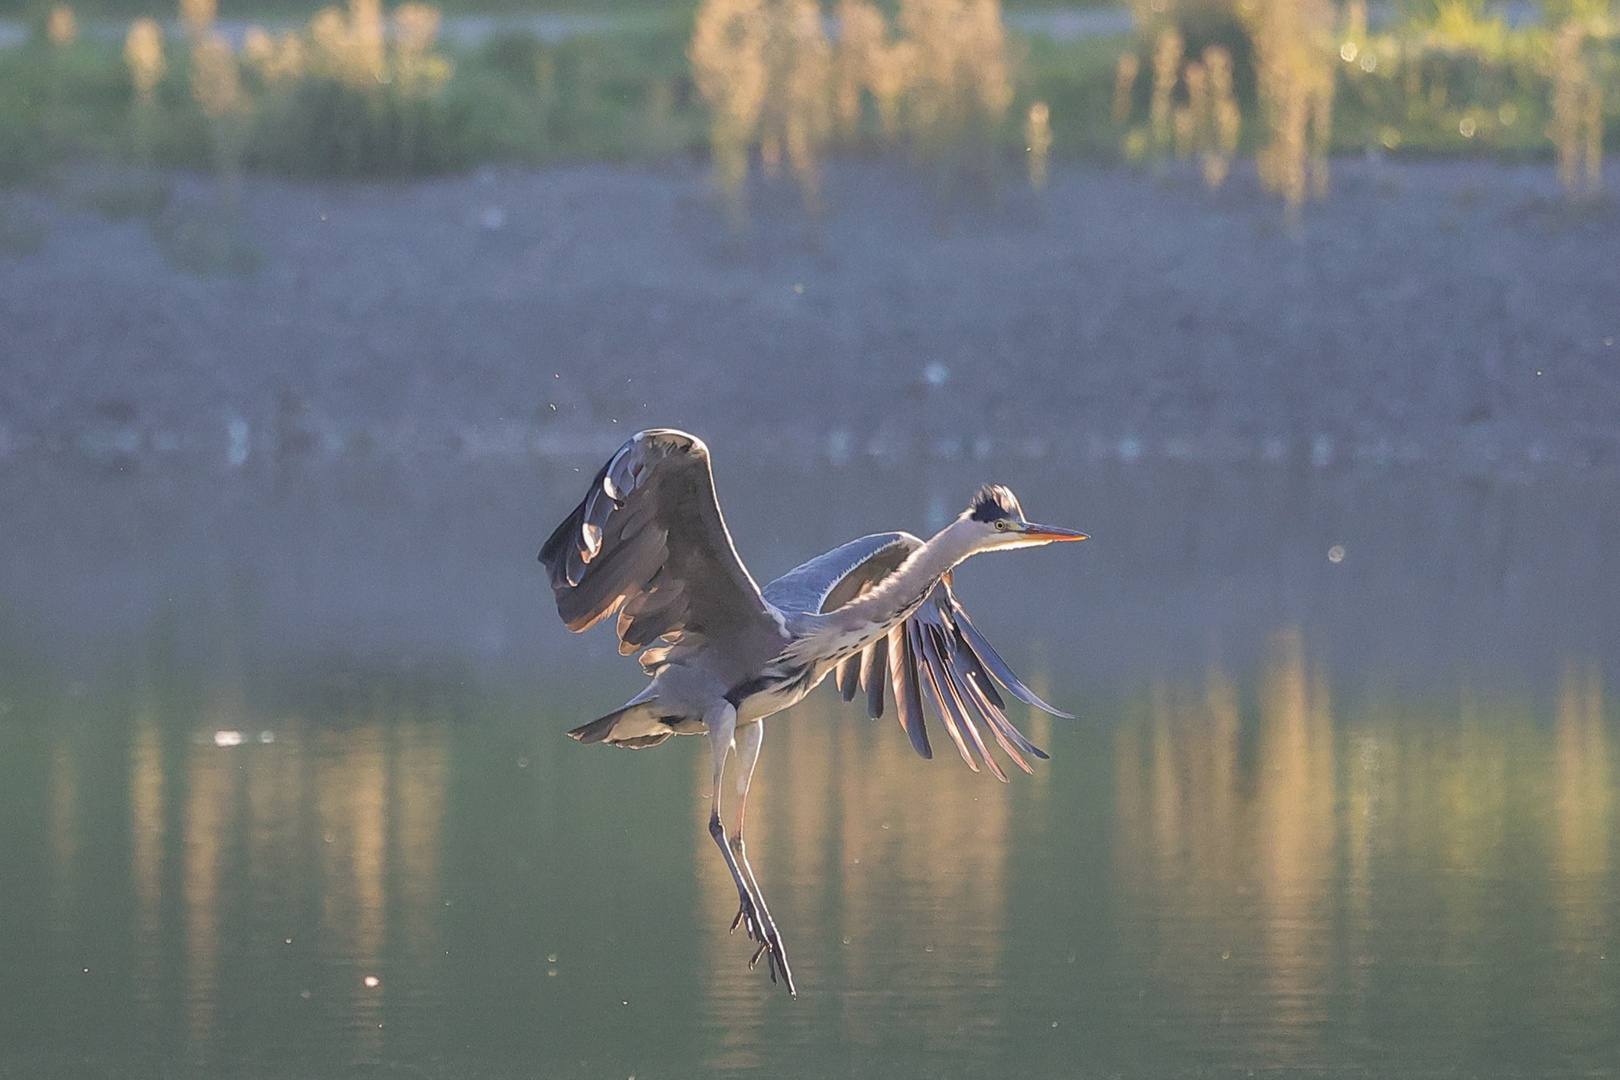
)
(992, 501)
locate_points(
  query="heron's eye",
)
(1001, 524)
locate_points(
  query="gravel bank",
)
(374, 426)
(1448, 313)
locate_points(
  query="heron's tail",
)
(636, 725)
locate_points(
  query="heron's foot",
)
(756, 920)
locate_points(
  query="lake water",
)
(1321, 828)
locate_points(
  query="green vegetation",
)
(308, 104)
(364, 92)
(1443, 78)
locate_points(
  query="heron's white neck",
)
(899, 594)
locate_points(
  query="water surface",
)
(341, 875)
(284, 792)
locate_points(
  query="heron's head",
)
(998, 519)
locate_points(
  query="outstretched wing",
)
(936, 654)
(648, 542)
(939, 654)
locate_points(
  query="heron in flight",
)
(648, 543)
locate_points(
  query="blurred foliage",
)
(941, 79)
(1438, 78)
(296, 110)
(35, 11)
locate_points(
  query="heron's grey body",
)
(648, 542)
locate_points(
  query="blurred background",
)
(314, 322)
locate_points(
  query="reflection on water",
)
(1229, 870)
(1423, 886)
(878, 866)
(1247, 871)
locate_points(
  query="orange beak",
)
(1052, 534)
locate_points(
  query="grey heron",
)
(648, 542)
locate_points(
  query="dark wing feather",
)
(648, 542)
(936, 679)
(875, 674)
(988, 656)
(849, 676)
(938, 653)
(907, 693)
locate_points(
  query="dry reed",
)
(216, 84)
(963, 74)
(1125, 73)
(795, 119)
(1167, 54)
(1224, 123)
(1294, 68)
(1192, 118)
(62, 27)
(143, 53)
(277, 59)
(727, 53)
(862, 34)
(416, 68)
(1576, 127)
(197, 16)
(349, 48)
(772, 80)
(870, 60)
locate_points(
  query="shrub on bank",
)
(365, 92)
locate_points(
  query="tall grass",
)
(143, 52)
(778, 85)
(216, 83)
(1576, 127)
(728, 51)
(939, 77)
(1294, 80)
(1295, 48)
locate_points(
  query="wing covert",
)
(832, 580)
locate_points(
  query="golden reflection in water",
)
(906, 857)
(1581, 807)
(210, 791)
(146, 835)
(1222, 876)
(420, 767)
(1365, 799)
(353, 816)
(1297, 861)
(64, 835)
(353, 807)
(1295, 800)
(275, 833)
(1178, 814)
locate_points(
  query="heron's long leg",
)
(752, 912)
(748, 743)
